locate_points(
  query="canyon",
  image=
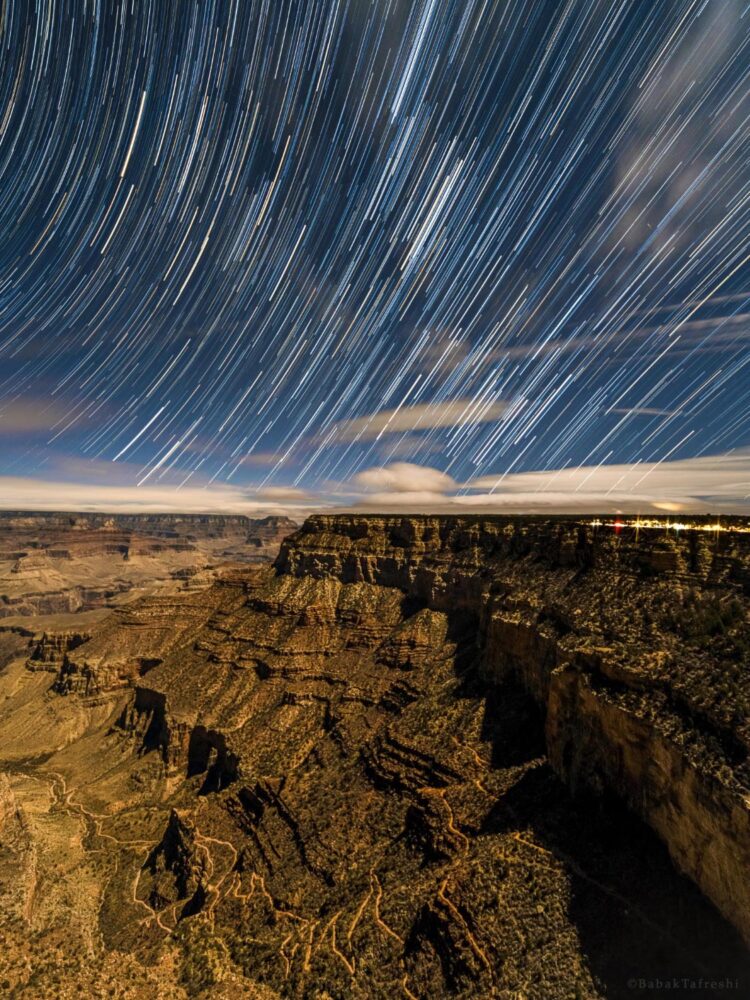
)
(474, 756)
(58, 564)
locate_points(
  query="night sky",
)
(391, 252)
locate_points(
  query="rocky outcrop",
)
(174, 872)
(631, 643)
(50, 649)
(135, 639)
(270, 531)
(54, 602)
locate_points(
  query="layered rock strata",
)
(635, 646)
(422, 757)
(63, 564)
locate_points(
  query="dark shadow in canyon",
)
(637, 917)
(513, 724)
(208, 756)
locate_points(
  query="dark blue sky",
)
(275, 244)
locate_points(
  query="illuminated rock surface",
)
(417, 757)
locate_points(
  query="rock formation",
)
(270, 531)
(62, 564)
(416, 757)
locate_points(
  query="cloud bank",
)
(17, 493)
(405, 477)
(709, 483)
(714, 482)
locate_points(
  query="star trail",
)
(343, 246)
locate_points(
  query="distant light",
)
(655, 524)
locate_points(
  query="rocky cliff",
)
(149, 524)
(635, 648)
(63, 564)
(270, 531)
(423, 757)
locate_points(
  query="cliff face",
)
(635, 647)
(270, 531)
(422, 757)
(150, 524)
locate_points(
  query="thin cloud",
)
(691, 332)
(18, 493)
(411, 500)
(644, 411)
(709, 483)
(31, 416)
(282, 493)
(421, 417)
(720, 477)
